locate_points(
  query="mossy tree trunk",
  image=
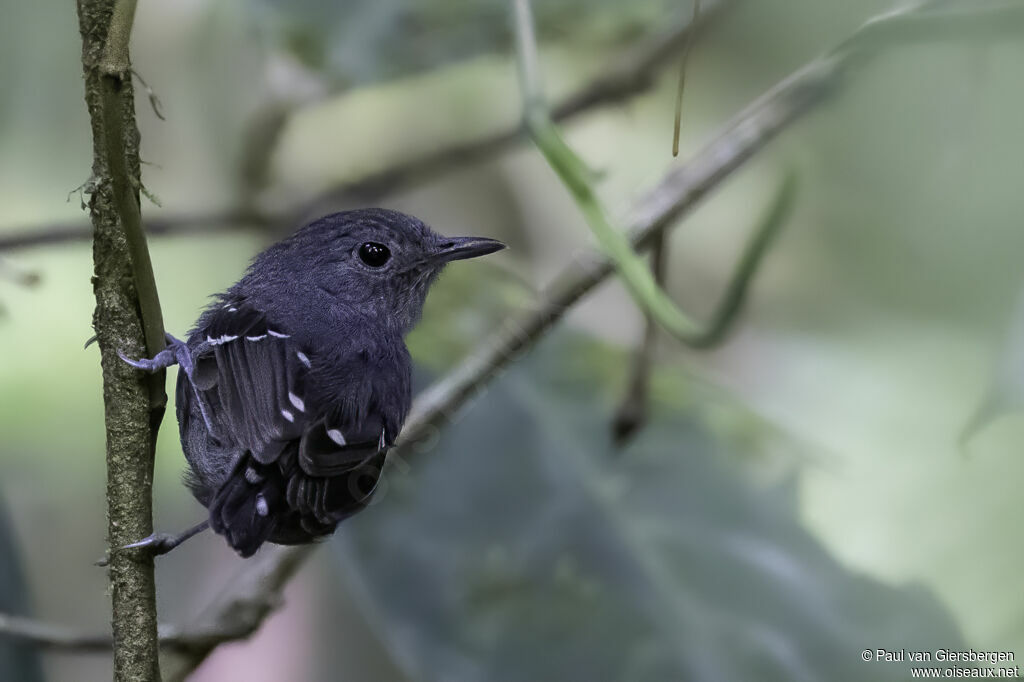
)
(127, 318)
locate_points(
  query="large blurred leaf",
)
(1005, 393)
(522, 548)
(369, 40)
(17, 662)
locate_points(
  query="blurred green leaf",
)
(369, 40)
(1005, 393)
(520, 548)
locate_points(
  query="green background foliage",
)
(800, 495)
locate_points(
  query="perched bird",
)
(295, 381)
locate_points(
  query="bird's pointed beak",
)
(460, 248)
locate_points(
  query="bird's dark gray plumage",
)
(296, 380)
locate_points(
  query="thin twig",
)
(76, 231)
(154, 100)
(21, 277)
(631, 414)
(56, 637)
(65, 639)
(684, 60)
(932, 21)
(236, 614)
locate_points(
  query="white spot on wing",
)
(297, 402)
(220, 339)
(304, 359)
(288, 415)
(256, 338)
(261, 506)
(337, 436)
(252, 476)
(278, 334)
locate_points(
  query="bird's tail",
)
(243, 509)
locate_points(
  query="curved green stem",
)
(635, 274)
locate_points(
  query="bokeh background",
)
(802, 493)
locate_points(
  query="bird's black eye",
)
(373, 254)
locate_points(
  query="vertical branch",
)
(631, 414)
(127, 318)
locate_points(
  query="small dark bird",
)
(295, 382)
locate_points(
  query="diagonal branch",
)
(237, 613)
(234, 616)
(675, 196)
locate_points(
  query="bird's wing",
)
(252, 375)
(250, 379)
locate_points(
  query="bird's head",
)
(376, 261)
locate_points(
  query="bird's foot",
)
(175, 353)
(157, 543)
(161, 543)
